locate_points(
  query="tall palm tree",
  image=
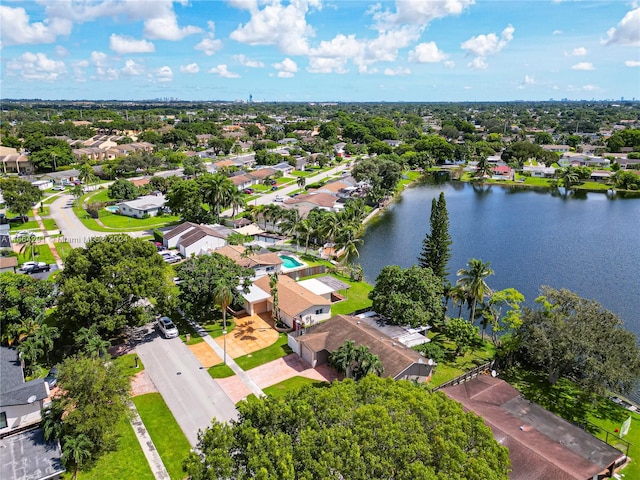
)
(29, 245)
(472, 280)
(343, 358)
(304, 229)
(223, 296)
(348, 240)
(568, 178)
(289, 221)
(273, 285)
(236, 201)
(483, 169)
(46, 335)
(86, 174)
(218, 190)
(330, 226)
(301, 182)
(77, 192)
(366, 363)
(75, 451)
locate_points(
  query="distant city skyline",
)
(321, 50)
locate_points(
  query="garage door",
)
(307, 354)
(260, 307)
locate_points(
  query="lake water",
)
(589, 244)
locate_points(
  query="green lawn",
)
(291, 385)
(128, 364)
(453, 367)
(266, 355)
(356, 296)
(43, 254)
(168, 438)
(128, 461)
(30, 225)
(221, 371)
(568, 401)
(49, 224)
(63, 248)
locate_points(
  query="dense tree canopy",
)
(113, 282)
(436, 246)
(19, 195)
(408, 297)
(201, 275)
(569, 336)
(123, 189)
(372, 429)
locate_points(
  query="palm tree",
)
(348, 241)
(30, 244)
(366, 363)
(483, 169)
(218, 190)
(46, 335)
(223, 296)
(304, 228)
(75, 451)
(330, 226)
(86, 174)
(301, 182)
(77, 192)
(273, 285)
(342, 359)
(472, 280)
(568, 177)
(236, 201)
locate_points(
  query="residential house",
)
(541, 444)
(262, 263)
(14, 162)
(245, 161)
(556, 148)
(306, 202)
(327, 287)
(338, 149)
(502, 172)
(8, 264)
(262, 173)
(601, 175)
(288, 141)
(296, 304)
(242, 181)
(399, 362)
(393, 143)
(338, 189)
(539, 171)
(147, 205)
(64, 177)
(43, 184)
(23, 451)
(283, 167)
(193, 239)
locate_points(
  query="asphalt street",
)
(193, 397)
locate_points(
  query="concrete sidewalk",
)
(153, 457)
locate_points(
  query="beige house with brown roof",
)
(262, 263)
(193, 239)
(14, 162)
(309, 201)
(296, 304)
(399, 362)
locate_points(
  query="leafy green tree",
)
(218, 191)
(185, 198)
(355, 362)
(372, 429)
(123, 189)
(93, 400)
(436, 148)
(462, 333)
(193, 166)
(504, 312)
(472, 281)
(19, 195)
(113, 282)
(23, 299)
(568, 177)
(408, 297)
(200, 277)
(572, 337)
(436, 246)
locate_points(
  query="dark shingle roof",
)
(27, 455)
(13, 389)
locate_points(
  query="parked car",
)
(52, 377)
(40, 267)
(18, 219)
(59, 188)
(274, 188)
(279, 198)
(272, 182)
(248, 191)
(167, 327)
(170, 257)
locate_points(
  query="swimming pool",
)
(112, 208)
(290, 262)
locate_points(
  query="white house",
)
(43, 184)
(149, 205)
(193, 239)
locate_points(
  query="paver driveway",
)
(252, 333)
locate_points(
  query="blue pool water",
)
(112, 208)
(290, 262)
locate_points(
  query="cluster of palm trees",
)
(34, 339)
(219, 192)
(341, 229)
(355, 362)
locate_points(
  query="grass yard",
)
(291, 385)
(357, 297)
(42, 254)
(127, 363)
(568, 401)
(453, 366)
(30, 225)
(128, 461)
(221, 371)
(49, 224)
(273, 352)
(168, 438)
(63, 248)
(593, 186)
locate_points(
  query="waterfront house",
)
(147, 205)
(262, 263)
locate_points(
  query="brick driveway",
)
(252, 333)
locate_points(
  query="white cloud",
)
(286, 69)
(627, 31)
(427, 53)
(247, 62)
(103, 70)
(165, 27)
(557, 32)
(590, 88)
(191, 68)
(99, 59)
(61, 52)
(164, 74)
(222, 71)
(209, 45)
(126, 45)
(632, 63)
(579, 52)
(397, 72)
(583, 66)
(449, 63)
(16, 29)
(478, 63)
(418, 12)
(132, 69)
(482, 46)
(36, 66)
(332, 56)
(277, 24)
(529, 80)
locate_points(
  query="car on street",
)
(274, 188)
(167, 327)
(58, 188)
(279, 198)
(34, 267)
(248, 191)
(52, 377)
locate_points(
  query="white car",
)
(167, 327)
(279, 198)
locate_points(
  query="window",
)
(3, 420)
(270, 269)
(319, 311)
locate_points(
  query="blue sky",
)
(320, 50)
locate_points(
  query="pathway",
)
(153, 457)
(72, 229)
(47, 239)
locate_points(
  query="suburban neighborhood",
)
(176, 275)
